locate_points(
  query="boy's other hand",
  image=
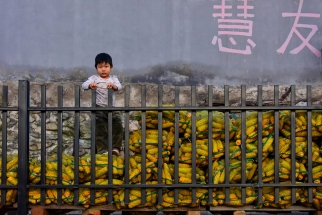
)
(111, 85)
(92, 86)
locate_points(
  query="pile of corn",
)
(217, 158)
(12, 178)
(184, 198)
(135, 197)
(235, 197)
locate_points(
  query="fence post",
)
(23, 145)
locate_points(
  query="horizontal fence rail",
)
(212, 166)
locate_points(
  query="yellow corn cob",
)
(202, 152)
(284, 170)
(134, 173)
(133, 162)
(12, 180)
(168, 199)
(170, 138)
(202, 128)
(50, 194)
(220, 145)
(134, 203)
(120, 165)
(69, 171)
(101, 171)
(12, 174)
(267, 141)
(233, 173)
(167, 124)
(36, 169)
(115, 171)
(135, 192)
(269, 165)
(152, 151)
(151, 141)
(148, 131)
(11, 164)
(203, 147)
(100, 200)
(152, 158)
(202, 122)
(185, 180)
(317, 169)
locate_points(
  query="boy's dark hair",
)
(103, 58)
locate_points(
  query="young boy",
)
(102, 82)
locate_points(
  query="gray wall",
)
(163, 41)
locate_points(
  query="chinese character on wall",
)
(294, 30)
(231, 28)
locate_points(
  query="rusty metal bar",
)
(76, 144)
(126, 142)
(213, 108)
(43, 144)
(110, 144)
(276, 141)
(60, 144)
(293, 145)
(227, 159)
(160, 97)
(143, 143)
(193, 141)
(23, 145)
(176, 144)
(309, 142)
(4, 142)
(260, 144)
(210, 144)
(93, 145)
(243, 143)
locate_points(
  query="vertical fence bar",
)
(243, 143)
(309, 142)
(93, 146)
(193, 134)
(43, 143)
(160, 97)
(126, 143)
(23, 145)
(110, 145)
(260, 146)
(176, 145)
(226, 98)
(4, 142)
(276, 142)
(210, 146)
(143, 142)
(60, 144)
(293, 146)
(76, 143)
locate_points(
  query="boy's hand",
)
(111, 85)
(92, 86)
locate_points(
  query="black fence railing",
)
(210, 184)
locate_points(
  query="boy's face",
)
(104, 69)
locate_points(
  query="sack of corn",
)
(184, 198)
(235, 197)
(135, 197)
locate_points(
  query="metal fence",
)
(24, 110)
